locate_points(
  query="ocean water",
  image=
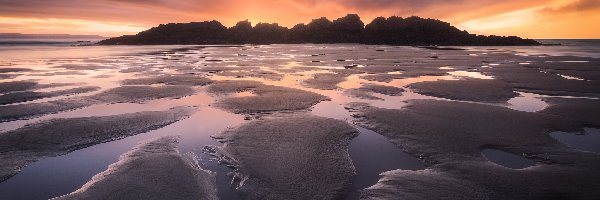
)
(370, 152)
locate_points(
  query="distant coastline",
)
(22, 36)
(413, 31)
(18, 39)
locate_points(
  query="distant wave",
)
(571, 42)
(43, 42)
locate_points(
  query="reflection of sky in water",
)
(507, 159)
(563, 50)
(477, 75)
(589, 140)
(60, 175)
(370, 152)
(571, 77)
(527, 102)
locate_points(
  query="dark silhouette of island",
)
(394, 30)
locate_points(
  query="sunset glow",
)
(532, 19)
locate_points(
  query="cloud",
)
(148, 13)
(153, 11)
(576, 6)
(50, 25)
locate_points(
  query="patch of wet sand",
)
(17, 97)
(423, 184)
(60, 136)
(478, 90)
(484, 180)
(539, 82)
(450, 142)
(179, 79)
(152, 170)
(325, 81)
(123, 94)
(585, 111)
(423, 129)
(15, 69)
(296, 156)
(267, 98)
(367, 89)
(9, 76)
(253, 73)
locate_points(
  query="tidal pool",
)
(507, 159)
(588, 140)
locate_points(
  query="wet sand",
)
(431, 121)
(61, 136)
(280, 157)
(18, 97)
(267, 98)
(153, 170)
(124, 94)
(492, 91)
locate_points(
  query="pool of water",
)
(588, 140)
(506, 159)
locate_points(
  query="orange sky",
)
(526, 18)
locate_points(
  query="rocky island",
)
(413, 31)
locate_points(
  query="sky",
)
(537, 19)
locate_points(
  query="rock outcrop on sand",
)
(152, 170)
(349, 29)
(60, 136)
(295, 156)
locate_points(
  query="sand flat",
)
(478, 90)
(17, 97)
(60, 136)
(123, 94)
(294, 156)
(268, 98)
(153, 170)
(450, 142)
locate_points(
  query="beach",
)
(301, 121)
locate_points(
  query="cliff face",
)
(349, 29)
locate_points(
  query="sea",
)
(82, 48)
